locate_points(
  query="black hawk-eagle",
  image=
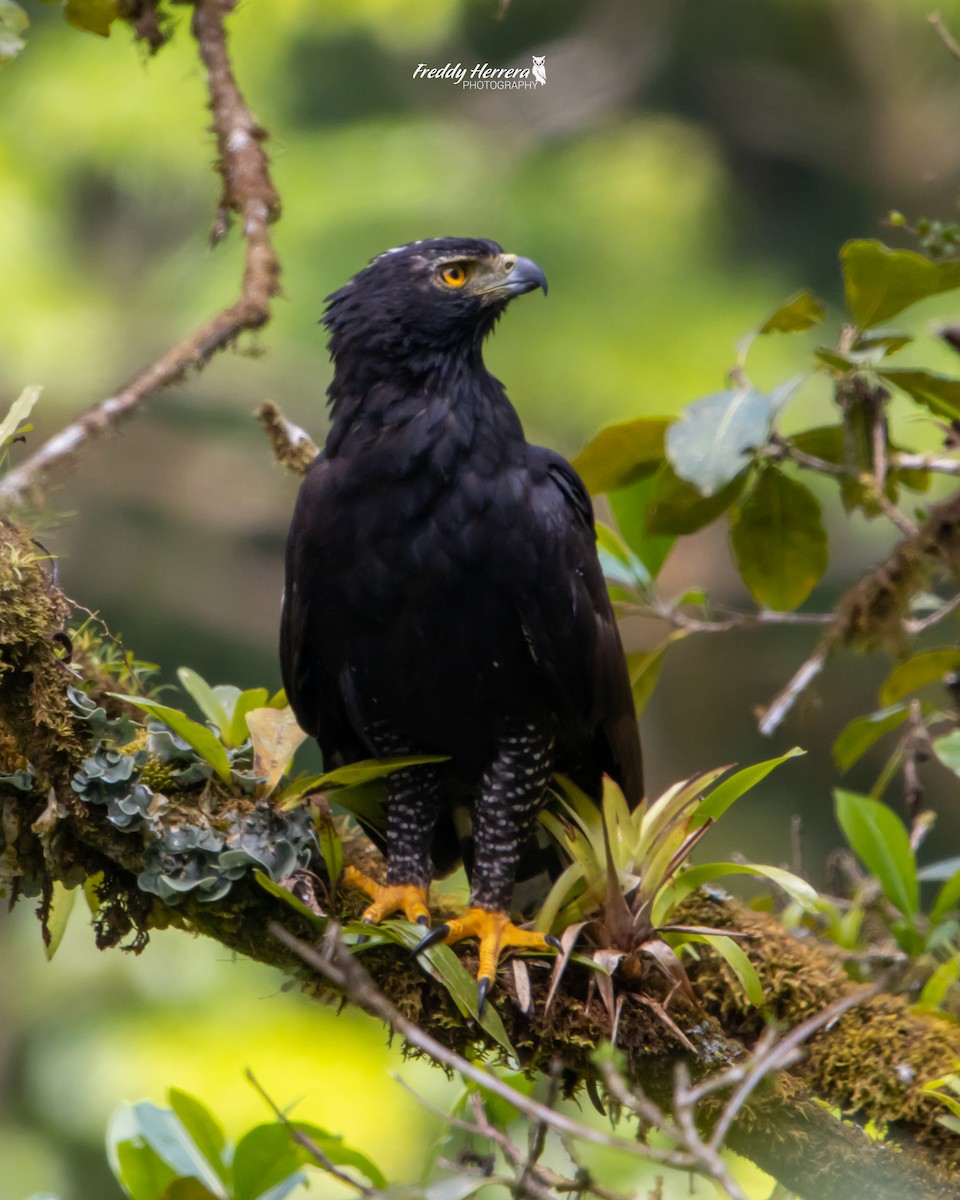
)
(443, 593)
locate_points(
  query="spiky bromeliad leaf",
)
(688, 881)
(737, 960)
(23, 405)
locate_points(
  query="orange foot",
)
(401, 897)
(496, 932)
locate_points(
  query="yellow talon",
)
(388, 899)
(496, 932)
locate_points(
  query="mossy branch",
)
(870, 1064)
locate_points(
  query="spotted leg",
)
(510, 793)
(413, 803)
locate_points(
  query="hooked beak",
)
(517, 275)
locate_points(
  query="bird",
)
(539, 68)
(443, 594)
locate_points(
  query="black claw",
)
(553, 941)
(423, 920)
(483, 987)
(437, 934)
(362, 940)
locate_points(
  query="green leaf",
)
(61, 906)
(631, 507)
(622, 453)
(189, 1189)
(737, 960)
(717, 438)
(948, 898)
(823, 441)
(888, 340)
(880, 282)
(801, 311)
(644, 669)
(141, 1171)
(203, 1128)
(689, 880)
(197, 736)
(937, 987)
(23, 405)
(331, 845)
(950, 1081)
(149, 1150)
(364, 772)
(205, 698)
(863, 732)
(267, 1157)
(779, 541)
(947, 749)
(939, 393)
(929, 666)
(165, 1134)
(94, 16)
(678, 508)
(13, 21)
(716, 804)
(837, 361)
(880, 840)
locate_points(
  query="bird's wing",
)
(311, 678)
(571, 629)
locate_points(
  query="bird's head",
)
(430, 297)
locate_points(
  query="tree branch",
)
(247, 191)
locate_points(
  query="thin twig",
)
(781, 1053)
(784, 701)
(945, 35)
(248, 192)
(307, 1142)
(732, 618)
(925, 462)
(538, 1134)
(919, 624)
(779, 448)
(893, 514)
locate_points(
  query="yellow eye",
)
(455, 276)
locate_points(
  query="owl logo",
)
(539, 68)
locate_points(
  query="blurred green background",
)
(688, 165)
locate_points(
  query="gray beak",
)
(526, 276)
